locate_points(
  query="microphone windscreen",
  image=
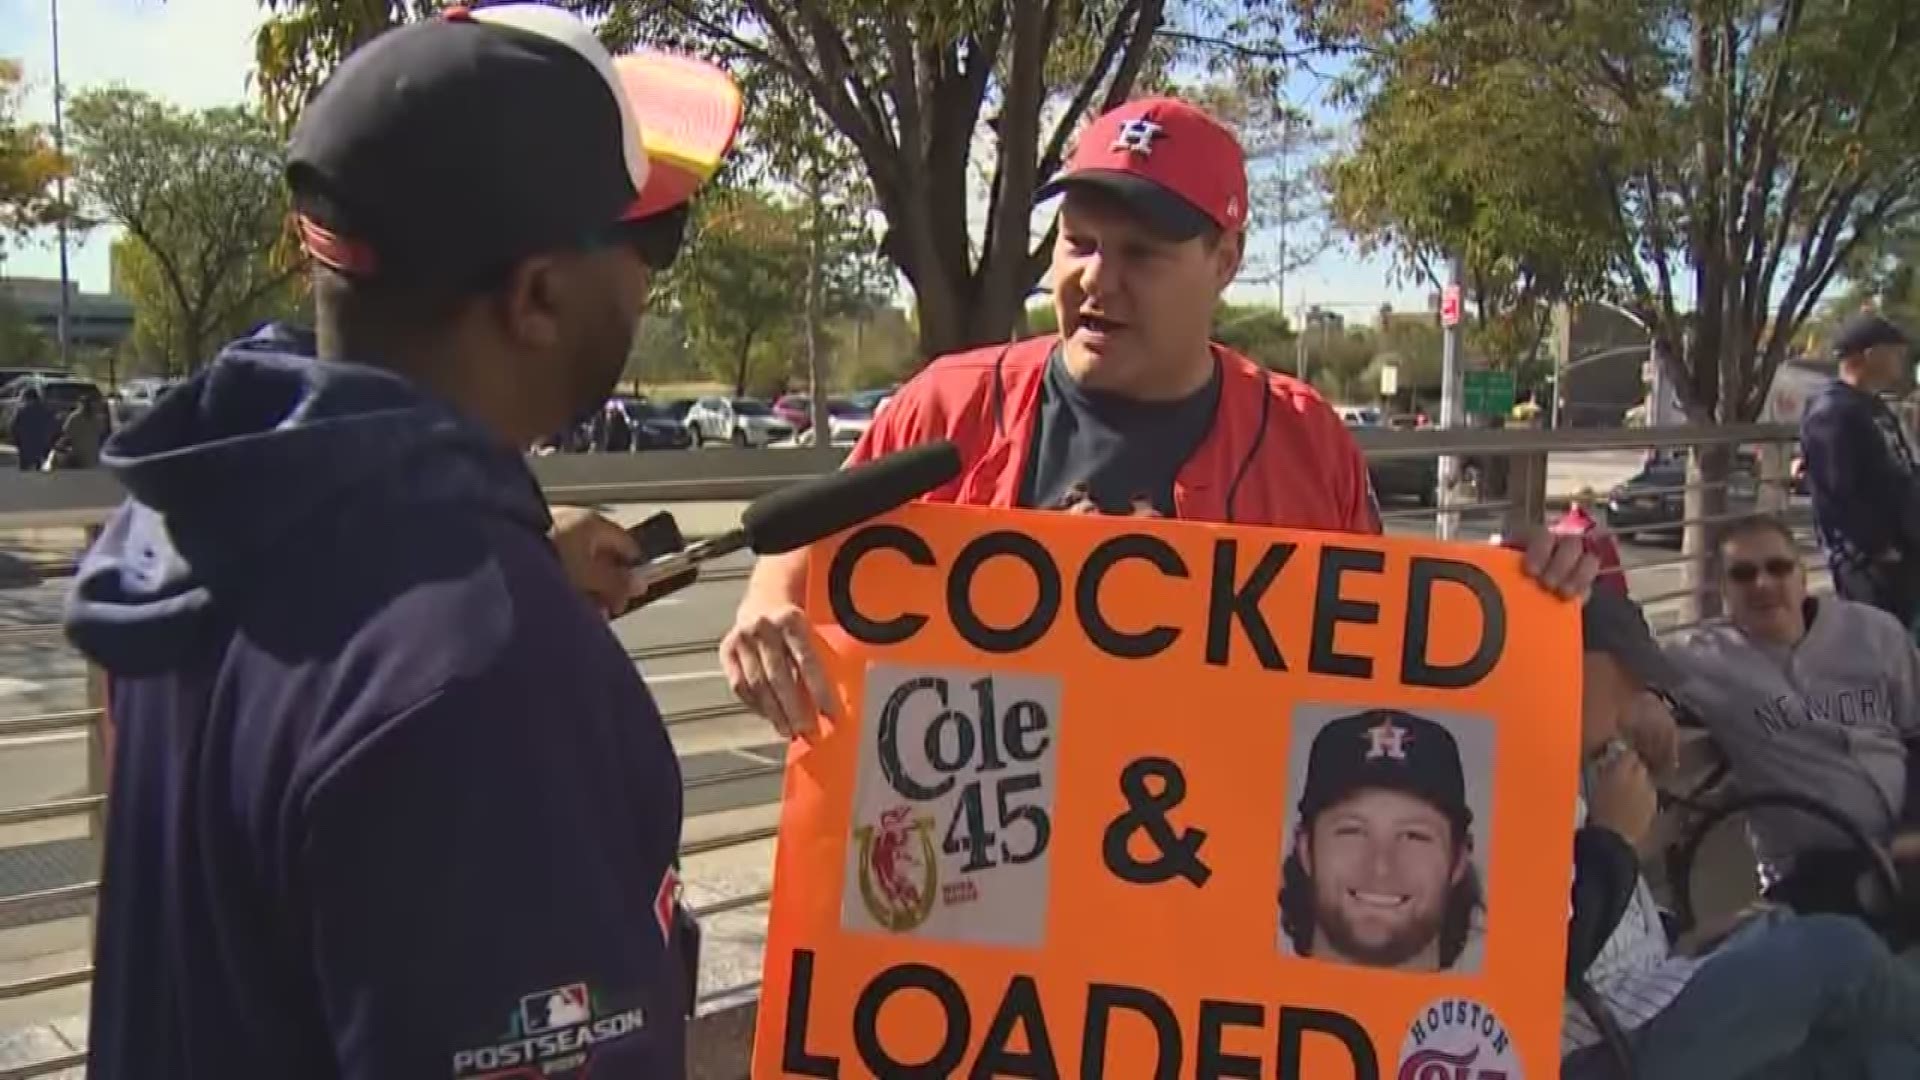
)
(794, 517)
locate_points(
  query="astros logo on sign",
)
(898, 876)
(1389, 740)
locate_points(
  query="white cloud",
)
(193, 53)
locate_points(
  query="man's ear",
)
(531, 302)
(1229, 251)
(1303, 850)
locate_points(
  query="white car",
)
(846, 422)
(743, 422)
(846, 430)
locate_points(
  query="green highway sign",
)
(1488, 393)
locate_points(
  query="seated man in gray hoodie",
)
(1819, 697)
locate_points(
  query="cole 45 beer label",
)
(953, 813)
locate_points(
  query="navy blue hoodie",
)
(388, 799)
(1860, 472)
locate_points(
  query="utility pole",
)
(816, 384)
(60, 184)
(1300, 342)
(1286, 201)
(1562, 357)
(1449, 522)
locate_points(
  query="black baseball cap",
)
(463, 143)
(1863, 331)
(1611, 623)
(1386, 748)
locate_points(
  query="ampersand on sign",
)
(1147, 812)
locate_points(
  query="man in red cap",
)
(1129, 408)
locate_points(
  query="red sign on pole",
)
(1450, 306)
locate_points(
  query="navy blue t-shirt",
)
(388, 799)
(1117, 448)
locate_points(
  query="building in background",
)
(96, 321)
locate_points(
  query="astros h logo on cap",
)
(1171, 162)
(1385, 748)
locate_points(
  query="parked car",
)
(8, 375)
(796, 410)
(62, 395)
(846, 422)
(651, 427)
(743, 422)
(676, 408)
(136, 398)
(1415, 478)
(1651, 505)
(871, 400)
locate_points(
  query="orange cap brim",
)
(689, 113)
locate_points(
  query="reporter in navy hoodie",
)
(388, 799)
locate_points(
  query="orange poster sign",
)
(1136, 798)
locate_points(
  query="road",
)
(731, 762)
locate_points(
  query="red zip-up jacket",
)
(1276, 454)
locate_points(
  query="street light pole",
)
(60, 181)
(1450, 397)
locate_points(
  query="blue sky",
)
(197, 53)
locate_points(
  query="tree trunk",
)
(740, 367)
(943, 318)
(1708, 469)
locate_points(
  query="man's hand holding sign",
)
(1084, 754)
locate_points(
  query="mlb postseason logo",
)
(953, 810)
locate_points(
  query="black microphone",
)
(793, 517)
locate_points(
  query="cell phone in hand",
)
(656, 536)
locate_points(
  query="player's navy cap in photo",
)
(466, 142)
(1170, 161)
(1385, 748)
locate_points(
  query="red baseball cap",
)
(1171, 161)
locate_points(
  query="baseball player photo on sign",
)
(1137, 797)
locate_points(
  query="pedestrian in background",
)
(34, 430)
(82, 434)
(1860, 471)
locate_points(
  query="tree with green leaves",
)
(29, 167)
(155, 346)
(740, 287)
(22, 344)
(917, 89)
(1710, 165)
(200, 196)
(202, 202)
(1457, 155)
(1726, 160)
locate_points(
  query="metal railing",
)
(83, 499)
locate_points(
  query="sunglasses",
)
(1746, 573)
